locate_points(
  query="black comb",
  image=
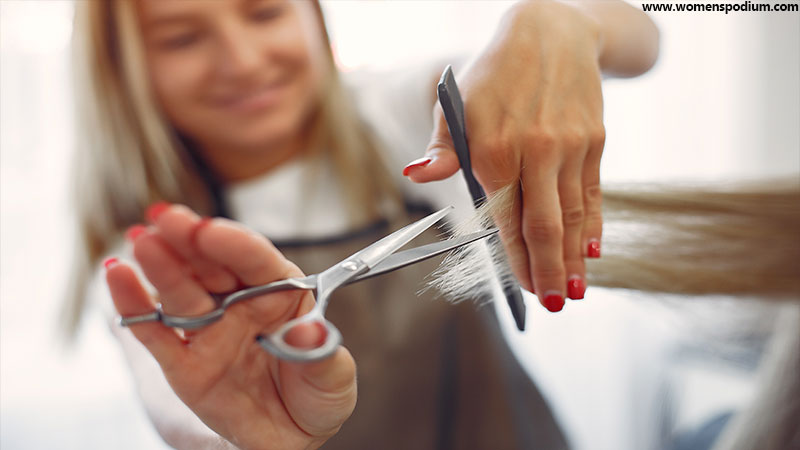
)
(453, 108)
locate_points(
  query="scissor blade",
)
(378, 251)
(421, 253)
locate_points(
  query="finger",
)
(543, 232)
(440, 160)
(179, 292)
(496, 166)
(509, 220)
(570, 193)
(308, 335)
(320, 396)
(177, 224)
(592, 199)
(247, 255)
(131, 299)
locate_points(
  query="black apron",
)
(431, 374)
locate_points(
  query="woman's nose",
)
(239, 56)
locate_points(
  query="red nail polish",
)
(422, 162)
(134, 232)
(153, 211)
(554, 302)
(199, 226)
(593, 250)
(576, 287)
(110, 262)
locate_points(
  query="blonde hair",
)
(740, 240)
(128, 155)
(735, 240)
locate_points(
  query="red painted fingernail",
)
(422, 162)
(593, 250)
(554, 302)
(110, 262)
(134, 232)
(199, 226)
(576, 287)
(153, 211)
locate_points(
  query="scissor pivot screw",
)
(349, 265)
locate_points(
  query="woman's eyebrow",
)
(160, 22)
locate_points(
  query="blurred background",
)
(722, 103)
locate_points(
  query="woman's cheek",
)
(175, 82)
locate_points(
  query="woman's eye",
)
(266, 13)
(181, 41)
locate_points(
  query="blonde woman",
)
(235, 110)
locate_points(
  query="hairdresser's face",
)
(235, 74)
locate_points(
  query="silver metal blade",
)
(378, 251)
(421, 253)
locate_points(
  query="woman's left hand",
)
(534, 113)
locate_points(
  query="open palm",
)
(243, 393)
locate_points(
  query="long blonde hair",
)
(129, 156)
(728, 240)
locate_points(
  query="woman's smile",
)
(261, 99)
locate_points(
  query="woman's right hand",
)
(249, 397)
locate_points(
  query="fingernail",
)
(153, 211)
(204, 221)
(307, 335)
(553, 302)
(593, 250)
(134, 232)
(576, 287)
(110, 262)
(422, 162)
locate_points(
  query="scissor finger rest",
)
(276, 344)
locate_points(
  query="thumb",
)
(440, 160)
(321, 395)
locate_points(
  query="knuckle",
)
(494, 159)
(438, 141)
(496, 145)
(593, 194)
(594, 218)
(546, 272)
(573, 216)
(598, 137)
(542, 230)
(541, 140)
(574, 140)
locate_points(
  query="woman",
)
(235, 109)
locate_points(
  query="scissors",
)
(376, 259)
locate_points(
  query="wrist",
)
(570, 18)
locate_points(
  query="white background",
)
(723, 102)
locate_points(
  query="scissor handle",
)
(202, 320)
(276, 344)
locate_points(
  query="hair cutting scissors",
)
(376, 259)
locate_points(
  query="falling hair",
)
(470, 271)
(128, 156)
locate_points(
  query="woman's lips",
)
(258, 100)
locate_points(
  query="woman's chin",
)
(259, 136)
